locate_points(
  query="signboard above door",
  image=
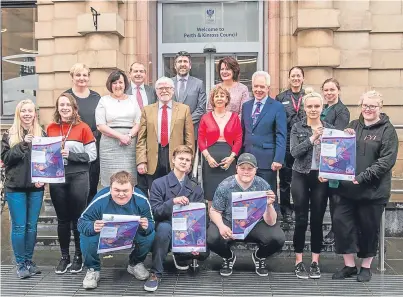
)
(210, 22)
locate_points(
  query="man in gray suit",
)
(144, 94)
(189, 90)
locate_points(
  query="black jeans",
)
(285, 175)
(270, 239)
(271, 177)
(308, 193)
(70, 200)
(356, 225)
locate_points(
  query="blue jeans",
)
(24, 211)
(89, 248)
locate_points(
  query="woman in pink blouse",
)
(228, 68)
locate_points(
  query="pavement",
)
(115, 281)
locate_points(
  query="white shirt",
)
(178, 86)
(142, 92)
(169, 110)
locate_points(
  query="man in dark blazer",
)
(144, 94)
(264, 125)
(189, 90)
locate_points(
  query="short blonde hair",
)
(78, 67)
(372, 95)
(310, 93)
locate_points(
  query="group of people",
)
(140, 142)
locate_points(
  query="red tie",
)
(164, 126)
(139, 98)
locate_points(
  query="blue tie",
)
(256, 113)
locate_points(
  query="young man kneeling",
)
(173, 188)
(121, 198)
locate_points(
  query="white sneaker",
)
(139, 271)
(91, 279)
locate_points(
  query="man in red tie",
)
(144, 94)
(163, 126)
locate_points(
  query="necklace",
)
(225, 113)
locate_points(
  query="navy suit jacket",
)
(165, 189)
(266, 140)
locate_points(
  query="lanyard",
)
(67, 135)
(296, 106)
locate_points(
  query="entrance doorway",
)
(204, 67)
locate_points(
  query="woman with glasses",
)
(24, 198)
(117, 117)
(228, 69)
(359, 204)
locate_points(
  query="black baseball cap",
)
(247, 158)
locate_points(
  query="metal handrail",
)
(196, 164)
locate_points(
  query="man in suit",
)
(264, 125)
(145, 94)
(189, 90)
(164, 125)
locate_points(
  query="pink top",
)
(239, 95)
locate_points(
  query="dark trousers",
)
(270, 239)
(308, 193)
(162, 245)
(356, 225)
(94, 175)
(271, 177)
(69, 200)
(285, 175)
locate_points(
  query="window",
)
(18, 52)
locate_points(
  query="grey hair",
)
(264, 74)
(166, 80)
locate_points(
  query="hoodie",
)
(376, 153)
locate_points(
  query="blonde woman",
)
(24, 198)
(360, 203)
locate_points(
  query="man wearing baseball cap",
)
(267, 233)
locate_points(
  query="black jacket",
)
(17, 160)
(338, 116)
(377, 147)
(301, 146)
(292, 115)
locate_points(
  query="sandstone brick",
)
(68, 10)
(64, 28)
(397, 171)
(351, 40)
(387, 59)
(391, 96)
(44, 64)
(351, 96)
(128, 45)
(400, 150)
(130, 28)
(44, 2)
(322, 56)
(401, 78)
(44, 98)
(348, 77)
(99, 59)
(316, 18)
(121, 61)
(394, 113)
(307, 56)
(387, 23)
(46, 81)
(99, 77)
(103, 6)
(57, 93)
(106, 41)
(46, 115)
(329, 56)
(64, 62)
(316, 76)
(69, 45)
(386, 41)
(45, 13)
(386, 7)
(355, 5)
(384, 78)
(101, 90)
(355, 20)
(304, 4)
(285, 44)
(46, 47)
(107, 22)
(142, 6)
(127, 11)
(62, 80)
(315, 38)
(43, 30)
(355, 59)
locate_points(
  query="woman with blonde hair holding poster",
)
(24, 198)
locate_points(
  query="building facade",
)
(358, 42)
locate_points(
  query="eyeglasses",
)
(370, 107)
(161, 89)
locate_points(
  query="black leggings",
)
(70, 200)
(308, 193)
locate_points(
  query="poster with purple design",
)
(46, 160)
(189, 228)
(247, 210)
(337, 155)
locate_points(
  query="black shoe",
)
(260, 265)
(300, 271)
(64, 264)
(287, 218)
(345, 272)
(314, 270)
(364, 275)
(77, 265)
(329, 238)
(227, 264)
